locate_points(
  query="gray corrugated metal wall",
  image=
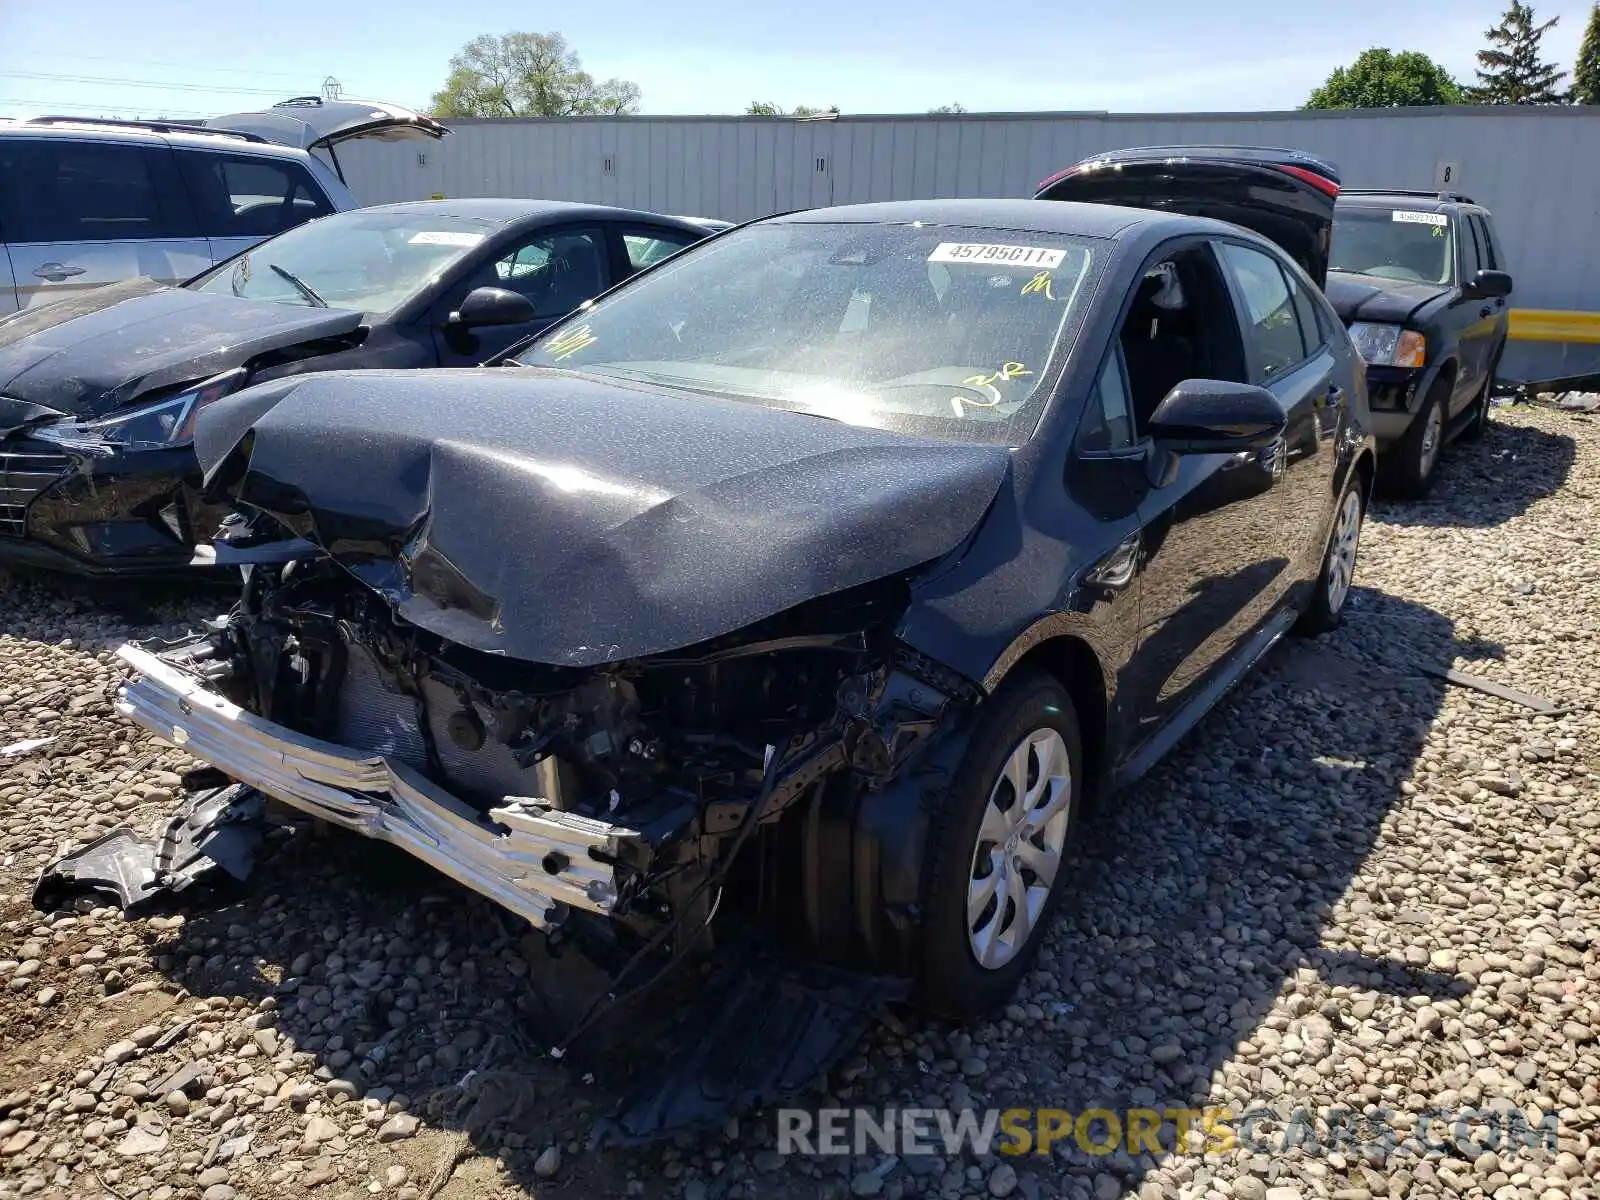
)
(1538, 170)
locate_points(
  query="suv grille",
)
(22, 477)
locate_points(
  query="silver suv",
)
(87, 202)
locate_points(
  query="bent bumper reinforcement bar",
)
(526, 856)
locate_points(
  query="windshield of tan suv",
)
(1400, 243)
(367, 261)
(942, 331)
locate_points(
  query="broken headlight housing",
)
(166, 423)
(1388, 345)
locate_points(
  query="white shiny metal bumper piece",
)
(526, 856)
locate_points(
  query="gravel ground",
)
(1353, 887)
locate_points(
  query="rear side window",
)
(56, 190)
(238, 195)
(1272, 324)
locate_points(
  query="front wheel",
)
(997, 849)
(1478, 422)
(1332, 588)
(1410, 464)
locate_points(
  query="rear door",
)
(1283, 195)
(241, 199)
(1289, 354)
(81, 213)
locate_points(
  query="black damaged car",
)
(99, 392)
(808, 583)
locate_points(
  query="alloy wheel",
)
(1432, 440)
(1021, 840)
(1342, 550)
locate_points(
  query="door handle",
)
(1486, 311)
(55, 272)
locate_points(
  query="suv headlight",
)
(166, 423)
(1389, 345)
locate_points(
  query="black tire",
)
(951, 982)
(1478, 422)
(1325, 609)
(1410, 467)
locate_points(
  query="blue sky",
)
(185, 58)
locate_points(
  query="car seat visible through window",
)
(1157, 341)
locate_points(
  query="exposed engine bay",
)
(651, 793)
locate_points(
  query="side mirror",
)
(492, 306)
(1489, 284)
(1212, 416)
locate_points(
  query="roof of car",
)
(1038, 216)
(150, 135)
(505, 211)
(1399, 197)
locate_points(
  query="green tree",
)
(527, 75)
(1383, 79)
(1586, 75)
(765, 108)
(947, 109)
(1510, 70)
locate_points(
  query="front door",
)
(1479, 316)
(79, 214)
(8, 283)
(556, 269)
(1215, 556)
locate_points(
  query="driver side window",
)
(557, 270)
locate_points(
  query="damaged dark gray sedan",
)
(807, 583)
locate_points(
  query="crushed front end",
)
(621, 791)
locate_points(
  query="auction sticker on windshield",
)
(1412, 217)
(988, 255)
(445, 237)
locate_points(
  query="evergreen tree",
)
(1510, 69)
(1586, 75)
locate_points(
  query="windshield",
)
(938, 331)
(367, 261)
(1394, 244)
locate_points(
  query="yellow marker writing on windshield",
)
(571, 342)
(1010, 370)
(1039, 283)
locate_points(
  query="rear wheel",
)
(997, 851)
(1410, 465)
(1325, 609)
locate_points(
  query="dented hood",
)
(102, 348)
(559, 518)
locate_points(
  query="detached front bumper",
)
(525, 856)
